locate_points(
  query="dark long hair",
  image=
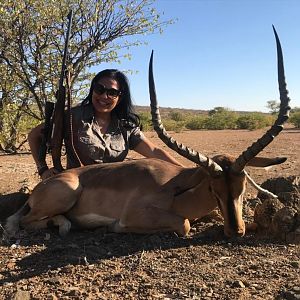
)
(124, 110)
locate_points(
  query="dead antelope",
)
(150, 195)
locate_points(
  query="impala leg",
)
(13, 222)
(50, 200)
(64, 225)
(60, 221)
(35, 225)
(151, 220)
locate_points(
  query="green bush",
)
(217, 110)
(295, 119)
(15, 125)
(176, 116)
(222, 120)
(196, 122)
(254, 121)
(171, 125)
(146, 121)
(218, 119)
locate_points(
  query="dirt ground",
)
(101, 265)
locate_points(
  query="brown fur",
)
(142, 196)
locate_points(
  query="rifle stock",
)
(46, 132)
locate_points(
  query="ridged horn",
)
(277, 127)
(213, 168)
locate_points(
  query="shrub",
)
(15, 125)
(146, 121)
(196, 122)
(254, 121)
(217, 110)
(171, 125)
(222, 120)
(295, 119)
(176, 116)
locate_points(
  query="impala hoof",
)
(65, 228)
(12, 226)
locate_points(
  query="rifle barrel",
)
(59, 110)
(64, 65)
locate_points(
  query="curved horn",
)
(283, 115)
(213, 168)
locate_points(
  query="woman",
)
(104, 127)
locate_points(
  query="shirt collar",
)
(88, 115)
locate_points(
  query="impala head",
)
(227, 173)
(228, 189)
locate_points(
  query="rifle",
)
(53, 133)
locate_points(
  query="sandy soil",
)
(101, 265)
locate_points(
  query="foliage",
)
(32, 37)
(196, 122)
(295, 109)
(295, 119)
(15, 126)
(273, 106)
(146, 122)
(220, 119)
(223, 119)
(169, 124)
(253, 121)
(218, 109)
(172, 125)
(176, 116)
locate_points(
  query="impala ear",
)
(262, 162)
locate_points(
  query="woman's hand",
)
(49, 173)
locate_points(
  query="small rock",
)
(67, 269)
(11, 265)
(295, 264)
(51, 297)
(8, 284)
(74, 292)
(296, 290)
(21, 295)
(54, 280)
(238, 284)
(288, 295)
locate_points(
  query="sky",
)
(219, 53)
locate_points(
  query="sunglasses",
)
(100, 89)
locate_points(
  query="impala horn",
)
(213, 168)
(267, 138)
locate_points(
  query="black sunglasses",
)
(100, 89)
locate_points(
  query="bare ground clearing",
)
(101, 265)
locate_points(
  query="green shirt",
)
(94, 147)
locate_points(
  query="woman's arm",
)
(34, 139)
(148, 149)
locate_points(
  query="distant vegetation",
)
(295, 118)
(215, 119)
(14, 127)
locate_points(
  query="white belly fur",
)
(94, 220)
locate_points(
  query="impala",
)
(150, 195)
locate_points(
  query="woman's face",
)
(106, 95)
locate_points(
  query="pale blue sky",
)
(219, 53)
